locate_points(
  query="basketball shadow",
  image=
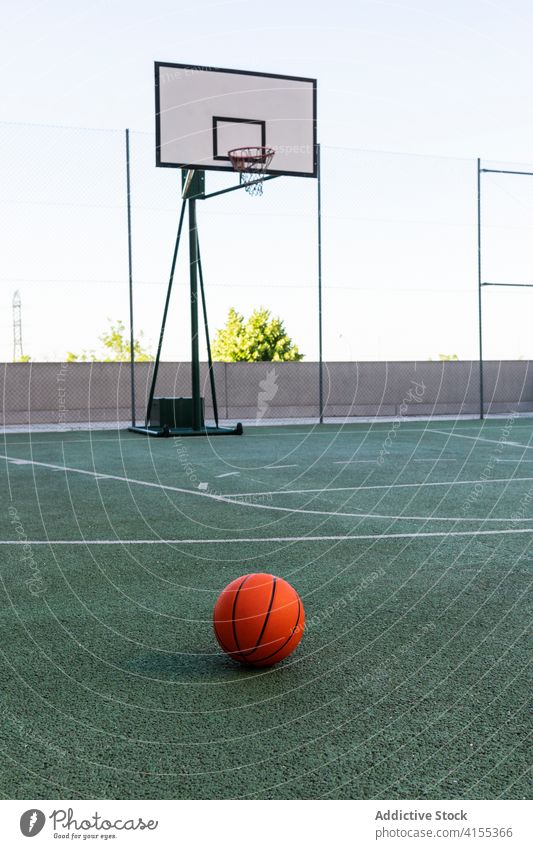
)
(193, 668)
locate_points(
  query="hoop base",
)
(166, 432)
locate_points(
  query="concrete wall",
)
(56, 393)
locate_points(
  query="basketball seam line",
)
(287, 641)
(233, 613)
(267, 617)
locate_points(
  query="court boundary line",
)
(310, 538)
(314, 428)
(231, 498)
(379, 486)
(480, 439)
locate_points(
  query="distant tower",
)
(17, 327)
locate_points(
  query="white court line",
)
(347, 462)
(377, 486)
(478, 438)
(229, 499)
(103, 476)
(352, 428)
(228, 474)
(94, 433)
(287, 466)
(435, 459)
(355, 427)
(231, 540)
(337, 514)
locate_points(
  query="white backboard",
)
(201, 113)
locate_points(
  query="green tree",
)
(260, 338)
(84, 357)
(116, 348)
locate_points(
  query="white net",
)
(251, 162)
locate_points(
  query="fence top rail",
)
(506, 171)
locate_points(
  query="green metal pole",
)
(480, 289)
(130, 279)
(165, 313)
(195, 357)
(207, 339)
(319, 232)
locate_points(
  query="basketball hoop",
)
(251, 163)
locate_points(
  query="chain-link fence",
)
(62, 394)
(399, 250)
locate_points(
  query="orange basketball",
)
(258, 619)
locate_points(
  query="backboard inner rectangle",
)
(230, 133)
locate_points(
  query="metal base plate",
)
(187, 431)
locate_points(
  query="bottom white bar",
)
(268, 825)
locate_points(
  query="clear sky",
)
(449, 80)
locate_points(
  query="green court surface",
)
(409, 543)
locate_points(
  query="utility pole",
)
(17, 327)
